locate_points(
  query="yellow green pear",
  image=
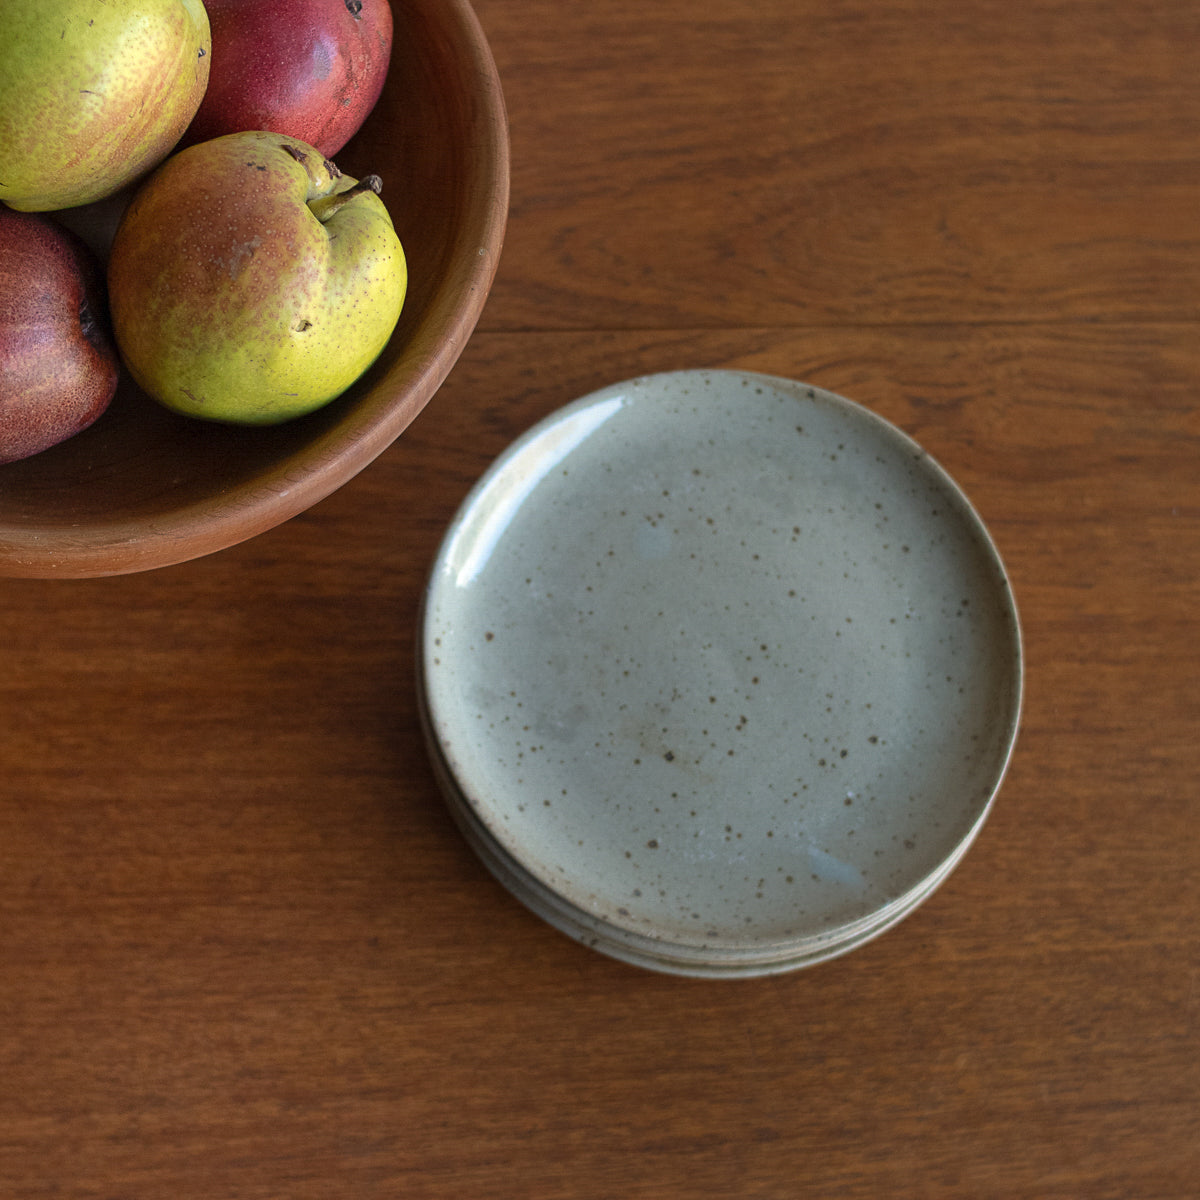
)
(94, 94)
(251, 281)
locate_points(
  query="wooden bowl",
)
(145, 488)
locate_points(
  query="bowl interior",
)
(144, 487)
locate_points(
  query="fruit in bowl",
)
(94, 95)
(58, 364)
(145, 487)
(312, 69)
(251, 281)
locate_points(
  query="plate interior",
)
(722, 660)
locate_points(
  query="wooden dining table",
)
(245, 952)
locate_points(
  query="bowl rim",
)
(31, 550)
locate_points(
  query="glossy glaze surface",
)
(725, 662)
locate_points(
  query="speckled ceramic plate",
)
(720, 672)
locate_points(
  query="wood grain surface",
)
(244, 952)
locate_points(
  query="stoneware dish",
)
(144, 488)
(720, 672)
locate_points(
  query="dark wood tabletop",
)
(245, 953)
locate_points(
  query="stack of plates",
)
(720, 672)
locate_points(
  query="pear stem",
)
(323, 207)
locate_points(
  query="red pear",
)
(310, 69)
(58, 362)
